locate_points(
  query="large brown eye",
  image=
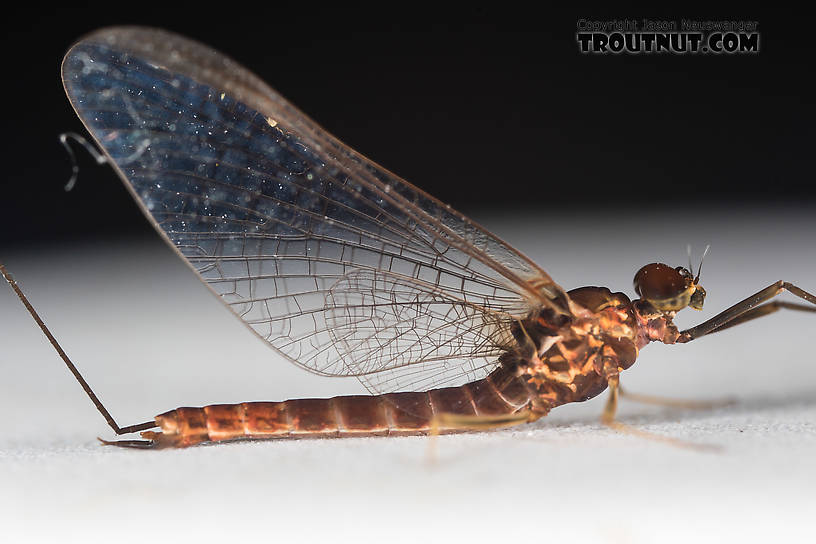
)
(658, 281)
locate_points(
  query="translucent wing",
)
(401, 333)
(340, 265)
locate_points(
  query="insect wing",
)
(340, 265)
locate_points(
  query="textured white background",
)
(149, 338)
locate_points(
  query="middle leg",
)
(611, 409)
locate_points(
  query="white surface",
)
(149, 338)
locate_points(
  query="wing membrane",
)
(401, 333)
(291, 228)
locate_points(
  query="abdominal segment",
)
(408, 413)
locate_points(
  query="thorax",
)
(571, 359)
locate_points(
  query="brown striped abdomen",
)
(392, 414)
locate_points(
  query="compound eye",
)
(658, 281)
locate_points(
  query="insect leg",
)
(98, 156)
(611, 409)
(673, 403)
(765, 309)
(748, 309)
(459, 422)
(87, 388)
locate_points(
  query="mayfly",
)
(346, 269)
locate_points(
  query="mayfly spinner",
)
(346, 269)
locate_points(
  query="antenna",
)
(688, 250)
(700, 268)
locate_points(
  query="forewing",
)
(289, 226)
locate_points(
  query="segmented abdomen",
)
(392, 414)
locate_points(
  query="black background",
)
(480, 107)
